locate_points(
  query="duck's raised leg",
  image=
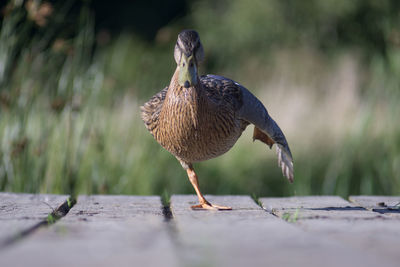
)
(204, 204)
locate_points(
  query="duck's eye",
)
(183, 64)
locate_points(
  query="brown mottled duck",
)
(197, 118)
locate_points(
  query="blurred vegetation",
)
(74, 73)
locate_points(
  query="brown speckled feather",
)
(151, 110)
(196, 124)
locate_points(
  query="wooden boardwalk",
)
(138, 231)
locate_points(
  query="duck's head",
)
(188, 53)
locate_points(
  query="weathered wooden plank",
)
(100, 231)
(319, 207)
(388, 205)
(19, 212)
(123, 230)
(249, 236)
(336, 219)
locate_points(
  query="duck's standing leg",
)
(204, 204)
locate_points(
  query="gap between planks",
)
(100, 231)
(104, 230)
(249, 236)
(351, 224)
(32, 207)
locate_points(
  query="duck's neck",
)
(184, 103)
(177, 91)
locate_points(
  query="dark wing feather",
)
(254, 112)
(222, 91)
(151, 110)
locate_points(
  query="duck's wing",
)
(151, 110)
(267, 130)
(222, 91)
(249, 108)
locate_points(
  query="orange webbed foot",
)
(209, 206)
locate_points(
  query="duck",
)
(197, 118)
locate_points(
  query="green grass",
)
(291, 217)
(70, 119)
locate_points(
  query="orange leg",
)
(204, 204)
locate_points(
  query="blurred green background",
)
(73, 75)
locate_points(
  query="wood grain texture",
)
(333, 218)
(137, 231)
(387, 205)
(316, 207)
(250, 236)
(100, 231)
(19, 212)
